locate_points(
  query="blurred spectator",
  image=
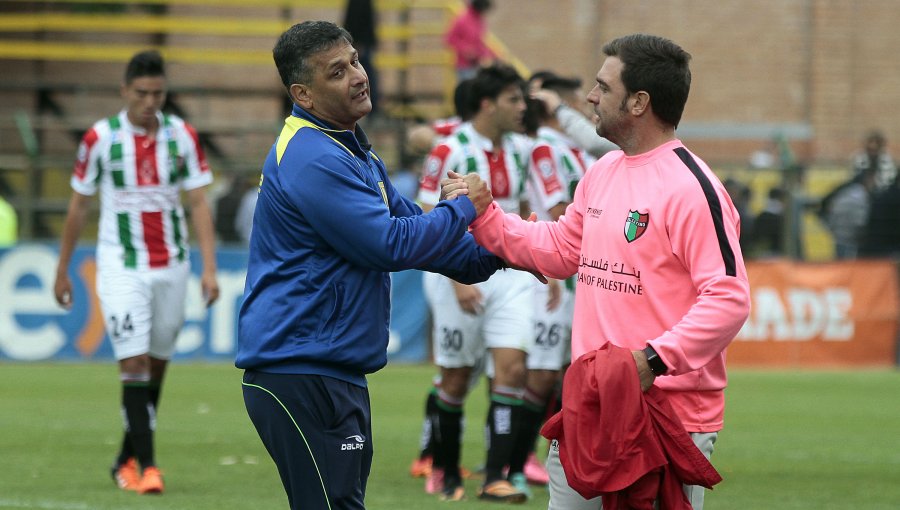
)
(360, 19)
(847, 212)
(740, 195)
(875, 156)
(767, 232)
(882, 231)
(9, 220)
(466, 37)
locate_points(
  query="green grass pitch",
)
(792, 440)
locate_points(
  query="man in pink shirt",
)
(466, 38)
(653, 238)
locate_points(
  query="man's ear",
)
(300, 94)
(641, 103)
(487, 105)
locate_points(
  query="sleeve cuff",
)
(483, 218)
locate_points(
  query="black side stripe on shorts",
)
(715, 210)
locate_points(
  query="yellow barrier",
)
(384, 5)
(198, 25)
(96, 52)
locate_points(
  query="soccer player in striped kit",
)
(490, 319)
(140, 160)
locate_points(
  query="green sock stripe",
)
(506, 400)
(302, 436)
(136, 384)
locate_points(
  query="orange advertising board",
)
(820, 315)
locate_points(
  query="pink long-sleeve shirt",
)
(653, 239)
(466, 38)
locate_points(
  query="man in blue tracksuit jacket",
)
(328, 229)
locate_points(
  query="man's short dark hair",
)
(557, 83)
(490, 81)
(481, 6)
(461, 99)
(876, 137)
(299, 43)
(657, 66)
(536, 114)
(145, 63)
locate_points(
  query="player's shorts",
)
(143, 310)
(460, 338)
(552, 329)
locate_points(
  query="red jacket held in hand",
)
(620, 443)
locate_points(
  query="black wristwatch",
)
(656, 363)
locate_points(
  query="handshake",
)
(470, 185)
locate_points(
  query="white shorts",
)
(143, 310)
(564, 497)
(461, 339)
(552, 329)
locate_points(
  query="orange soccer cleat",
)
(421, 467)
(502, 491)
(126, 475)
(151, 482)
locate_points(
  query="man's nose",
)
(360, 74)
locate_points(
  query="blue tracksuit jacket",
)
(328, 229)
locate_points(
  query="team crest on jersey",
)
(635, 225)
(82, 152)
(546, 168)
(433, 166)
(431, 172)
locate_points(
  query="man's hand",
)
(469, 297)
(540, 277)
(453, 186)
(471, 185)
(549, 97)
(643, 370)
(554, 296)
(210, 288)
(62, 289)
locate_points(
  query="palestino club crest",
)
(635, 225)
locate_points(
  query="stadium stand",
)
(62, 60)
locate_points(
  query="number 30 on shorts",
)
(451, 339)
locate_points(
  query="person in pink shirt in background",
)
(466, 38)
(653, 238)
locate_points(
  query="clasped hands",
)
(470, 185)
(479, 193)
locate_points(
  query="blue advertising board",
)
(33, 327)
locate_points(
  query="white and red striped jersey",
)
(504, 169)
(556, 166)
(140, 177)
